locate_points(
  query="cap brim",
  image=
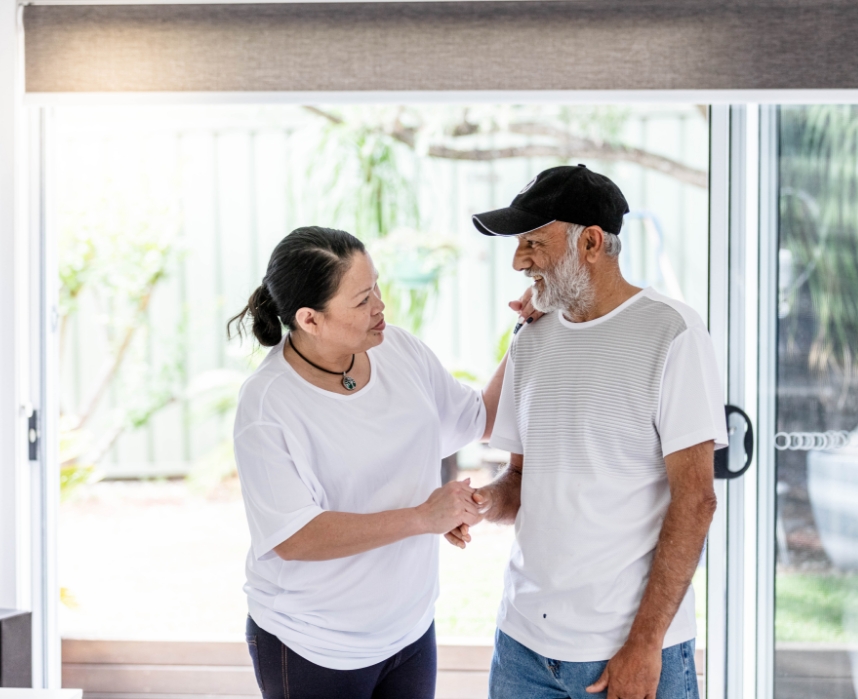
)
(508, 221)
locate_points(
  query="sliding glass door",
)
(205, 194)
(816, 401)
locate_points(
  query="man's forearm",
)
(676, 556)
(505, 493)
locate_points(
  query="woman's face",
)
(354, 318)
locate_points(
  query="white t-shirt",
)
(594, 408)
(302, 450)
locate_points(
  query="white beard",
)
(565, 287)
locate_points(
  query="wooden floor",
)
(807, 671)
(187, 670)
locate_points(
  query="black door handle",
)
(722, 461)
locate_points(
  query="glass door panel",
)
(816, 442)
(168, 214)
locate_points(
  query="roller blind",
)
(442, 46)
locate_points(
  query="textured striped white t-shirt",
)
(595, 407)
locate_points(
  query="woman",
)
(339, 437)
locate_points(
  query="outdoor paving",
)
(160, 560)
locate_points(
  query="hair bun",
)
(266, 323)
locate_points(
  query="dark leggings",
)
(283, 674)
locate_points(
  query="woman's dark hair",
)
(305, 271)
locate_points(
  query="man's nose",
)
(521, 261)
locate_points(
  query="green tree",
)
(119, 252)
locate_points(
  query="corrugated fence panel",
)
(790, 44)
(239, 185)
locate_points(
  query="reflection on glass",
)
(816, 609)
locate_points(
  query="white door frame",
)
(28, 489)
(766, 500)
(743, 321)
(14, 336)
(719, 277)
(45, 472)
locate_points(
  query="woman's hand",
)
(461, 535)
(448, 507)
(525, 308)
(499, 501)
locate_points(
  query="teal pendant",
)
(349, 383)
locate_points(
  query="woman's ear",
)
(307, 319)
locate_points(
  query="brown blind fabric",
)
(442, 46)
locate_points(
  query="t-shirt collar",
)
(596, 321)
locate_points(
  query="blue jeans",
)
(519, 673)
(283, 674)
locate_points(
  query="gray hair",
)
(613, 245)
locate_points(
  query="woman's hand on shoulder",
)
(524, 307)
(448, 507)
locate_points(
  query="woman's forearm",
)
(340, 534)
(491, 397)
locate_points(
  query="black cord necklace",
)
(348, 382)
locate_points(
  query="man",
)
(611, 408)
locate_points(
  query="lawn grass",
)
(809, 607)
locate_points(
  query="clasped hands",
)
(453, 508)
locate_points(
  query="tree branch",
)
(111, 372)
(333, 118)
(582, 149)
(565, 147)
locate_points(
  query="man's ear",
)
(593, 238)
(307, 319)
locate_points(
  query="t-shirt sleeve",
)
(277, 501)
(460, 407)
(505, 434)
(691, 409)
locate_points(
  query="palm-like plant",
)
(819, 227)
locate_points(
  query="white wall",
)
(13, 544)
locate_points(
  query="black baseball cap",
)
(571, 193)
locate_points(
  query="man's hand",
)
(633, 673)
(525, 308)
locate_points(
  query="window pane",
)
(817, 404)
(166, 218)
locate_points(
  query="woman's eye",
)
(365, 301)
